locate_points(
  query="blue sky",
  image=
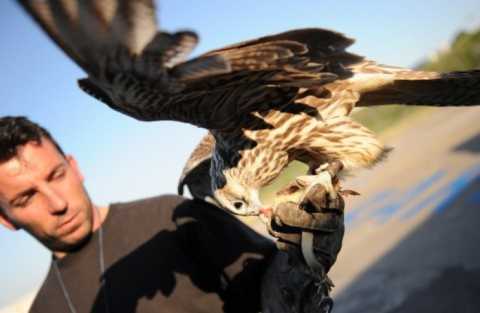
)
(124, 159)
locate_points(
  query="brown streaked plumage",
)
(196, 171)
(266, 102)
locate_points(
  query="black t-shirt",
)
(163, 254)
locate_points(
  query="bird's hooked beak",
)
(267, 211)
(266, 214)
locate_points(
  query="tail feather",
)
(427, 88)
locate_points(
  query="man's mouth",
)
(68, 225)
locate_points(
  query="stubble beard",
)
(60, 245)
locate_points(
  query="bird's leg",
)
(320, 177)
(324, 175)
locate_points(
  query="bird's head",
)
(237, 197)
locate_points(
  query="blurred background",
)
(412, 230)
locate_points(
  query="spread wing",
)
(142, 72)
(196, 173)
(118, 45)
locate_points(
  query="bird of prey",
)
(265, 102)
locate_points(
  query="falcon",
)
(265, 102)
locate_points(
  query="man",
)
(163, 254)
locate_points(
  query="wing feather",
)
(139, 71)
(196, 173)
(316, 44)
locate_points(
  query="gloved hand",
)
(317, 213)
(291, 283)
(324, 218)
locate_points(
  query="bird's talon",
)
(321, 168)
(323, 179)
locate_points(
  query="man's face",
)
(42, 192)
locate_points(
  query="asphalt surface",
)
(413, 236)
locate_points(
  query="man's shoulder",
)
(164, 203)
(156, 202)
(168, 207)
(46, 295)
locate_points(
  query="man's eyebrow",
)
(27, 192)
(54, 171)
(30, 191)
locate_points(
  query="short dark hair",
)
(16, 131)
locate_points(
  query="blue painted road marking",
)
(443, 198)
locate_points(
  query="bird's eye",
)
(238, 205)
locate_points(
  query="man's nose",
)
(55, 201)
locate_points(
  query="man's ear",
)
(5, 221)
(74, 165)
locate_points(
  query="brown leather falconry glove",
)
(318, 214)
(313, 229)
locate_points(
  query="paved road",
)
(413, 237)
